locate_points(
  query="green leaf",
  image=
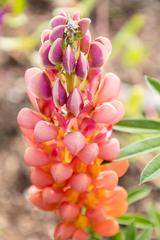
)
(140, 147)
(145, 235)
(155, 216)
(93, 235)
(138, 194)
(151, 170)
(131, 232)
(138, 126)
(119, 236)
(139, 221)
(153, 83)
(128, 31)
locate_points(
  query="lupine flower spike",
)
(69, 132)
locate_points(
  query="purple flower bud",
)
(44, 51)
(63, 13)
(76, 16)
(69, 60)
(85, 42)
(59, 94)
(84, 24)
(39, 84)
(87, 126)
(97, 54)
(82, 66)
(57, 33)
(58, 20)
(45, 35)
(55, 52)
(75, 102)
(106, 43)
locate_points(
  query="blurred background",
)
(133, 27)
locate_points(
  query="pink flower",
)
(70, 132)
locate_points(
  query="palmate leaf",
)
(139, 221)
(151, 170)
(140, 126)
(140, 147)
(153, 83)
(137, 194)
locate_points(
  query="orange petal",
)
(35, 157)
(35, 196)
(107, 179)
(119, 167)
(80, 235)
(39, 178)
(117, 209)
(108, 228)
(69, 212)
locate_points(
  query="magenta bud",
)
(76, 16)
(87, 126)
(57, 33)
(44, 51)
(59, 94)
(39, 85)
(109, 88)
(58, 20)
(55, 52)
(97, 55)
(106, 43)
(85, 42)
(63, 13)
(45, 35)
(84, 24)
(75, 102)
(82, 66)
(69, 60)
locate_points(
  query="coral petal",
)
(109, 150)
(89, 153)
(39, 178)
(80, 182)
(61, 172)
(74, 142)
(108, 228)
(105, 113)
(64, 231)
(109, 88)
(35, 157)
(44, 131)
(80, 235)
(69, 212)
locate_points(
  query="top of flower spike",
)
(67, 47)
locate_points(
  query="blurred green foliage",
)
(133, 105)
(127, 43)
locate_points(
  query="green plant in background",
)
(127, 43)
(143, 126)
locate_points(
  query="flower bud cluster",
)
(70, 131)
